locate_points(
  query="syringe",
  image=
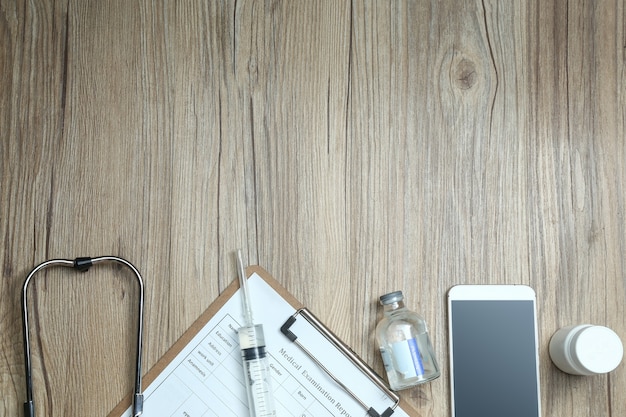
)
(256, 369)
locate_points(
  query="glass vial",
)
(404, 344)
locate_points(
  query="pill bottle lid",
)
(598, 349)
(392, 297)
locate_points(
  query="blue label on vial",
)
(407, 358)
(417, 358)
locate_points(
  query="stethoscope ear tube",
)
(81, 264)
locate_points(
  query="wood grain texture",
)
(350, 148)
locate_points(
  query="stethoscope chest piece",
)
(81, 264)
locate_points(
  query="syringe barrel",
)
(259, 388)
(256, 371)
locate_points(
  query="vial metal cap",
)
(392, 297)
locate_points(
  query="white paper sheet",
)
(206, 379)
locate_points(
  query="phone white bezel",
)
(491, 292)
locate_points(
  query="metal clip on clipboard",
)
(305, 314)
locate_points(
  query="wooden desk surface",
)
(350, 149)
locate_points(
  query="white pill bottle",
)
(586, 349)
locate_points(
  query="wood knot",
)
(253, 71)
(465, 74)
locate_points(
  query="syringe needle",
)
(243, 284)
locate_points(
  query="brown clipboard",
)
(204, 318)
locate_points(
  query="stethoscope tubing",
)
(81, 264)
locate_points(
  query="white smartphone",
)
(494, 361)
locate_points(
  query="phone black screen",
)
(494, 359)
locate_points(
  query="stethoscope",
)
(81, 264)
